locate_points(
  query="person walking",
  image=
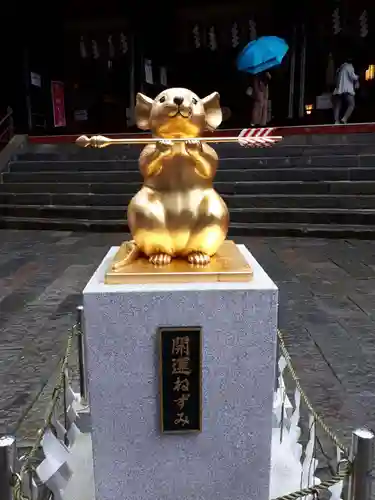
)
(260, 94)
(344, 93)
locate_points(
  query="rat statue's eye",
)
(194, 101)
(162, 98)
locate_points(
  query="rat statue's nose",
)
(178, 100)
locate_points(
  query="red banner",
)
(58, 104)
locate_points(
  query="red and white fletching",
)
(258, 137)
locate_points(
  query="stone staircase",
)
(324, 186)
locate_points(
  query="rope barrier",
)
(345, 467)
(56, 395)
(323, 486)
(306, 400)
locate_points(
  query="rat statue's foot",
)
(160, 259)
(199, 258)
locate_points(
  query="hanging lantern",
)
(336, 22)
(235, 35)
(124, 43)
(363, 24)
(82, 48)
(95, 50)
(163, 76)
(111, 48)
(212, 39)
(252, 29)
(197, 37)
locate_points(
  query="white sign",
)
(36, 79)
(323, 101)
(148, 71)
(80, 115)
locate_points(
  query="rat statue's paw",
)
(164, 146)
(199, 258)
(160, 259)
(193, 146)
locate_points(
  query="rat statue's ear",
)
(142, 111)
(212, 109)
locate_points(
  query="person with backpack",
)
(344, 94)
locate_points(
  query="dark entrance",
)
(104, 54)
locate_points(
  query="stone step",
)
(233, 201)
(234, 175)
(241, 215)
(225, 164)
(225, 188)
(238, 229)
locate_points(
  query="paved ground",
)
(327, 311)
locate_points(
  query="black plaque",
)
(181, 379)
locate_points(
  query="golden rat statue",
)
(177, 212)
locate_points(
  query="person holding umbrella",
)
(259, 115)
(257, 58)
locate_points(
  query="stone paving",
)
(327, 312)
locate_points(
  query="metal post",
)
(302, 77)
(132, 78)
(26, 72)
(292, 76)
(277, 371)
(8, 457)
(362, 457)
(81, 356)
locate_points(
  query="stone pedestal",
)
(230, 458)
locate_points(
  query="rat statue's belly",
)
(178, 222)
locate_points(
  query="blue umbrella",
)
(262, 54)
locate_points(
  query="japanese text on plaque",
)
(181, 379)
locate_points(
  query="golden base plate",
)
(227, 265)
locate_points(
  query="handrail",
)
(8, 115)
(8, 131)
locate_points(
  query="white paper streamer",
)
(281, 399)
(59, 428)
(310, 463)
(288, 472)
(73, 435)
(54, 471)
(29, 487)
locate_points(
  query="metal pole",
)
(26, 71)
(8, 457)
(362, 457)
(277, 371)
(301, 111)
(81, 356)
(132, 80)
(292, 76)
